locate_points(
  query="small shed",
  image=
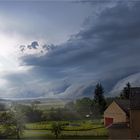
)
(117, 112)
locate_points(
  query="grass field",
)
(47, 106)
(73, 129)
(69, 125)
(43, 134)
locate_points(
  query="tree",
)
(6, 122)
(70, 105)
(56, 129)
(3, 107)
(19, 123)
(83, 105)
(32, 113)
(11, 124)
(99, 99)
(95, 109)
(126, 91)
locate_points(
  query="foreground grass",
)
(73, 130)
(85, 129)
(43, 134)
(68, 125)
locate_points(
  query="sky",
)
(62, 49)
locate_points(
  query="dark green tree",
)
(6, 123)
(19, 123)
(70, 105)
(99, 99)
(3, 107)
(83, 106)
(56, 129)
(11, 124)
(32, 113)
(126, 91)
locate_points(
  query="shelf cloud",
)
(106, 50)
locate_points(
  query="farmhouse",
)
(117, 112)
(122, 117)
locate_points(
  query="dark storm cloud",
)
(33, 45)
(106, 49)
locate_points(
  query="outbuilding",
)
(117, 112)
(122, 117)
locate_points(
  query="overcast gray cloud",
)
(105, 50)
(52, 21)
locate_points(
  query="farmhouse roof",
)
(124, 105)
(135, 88)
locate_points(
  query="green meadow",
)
(72, 129)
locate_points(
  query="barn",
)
(117, 112)
(122, 117)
